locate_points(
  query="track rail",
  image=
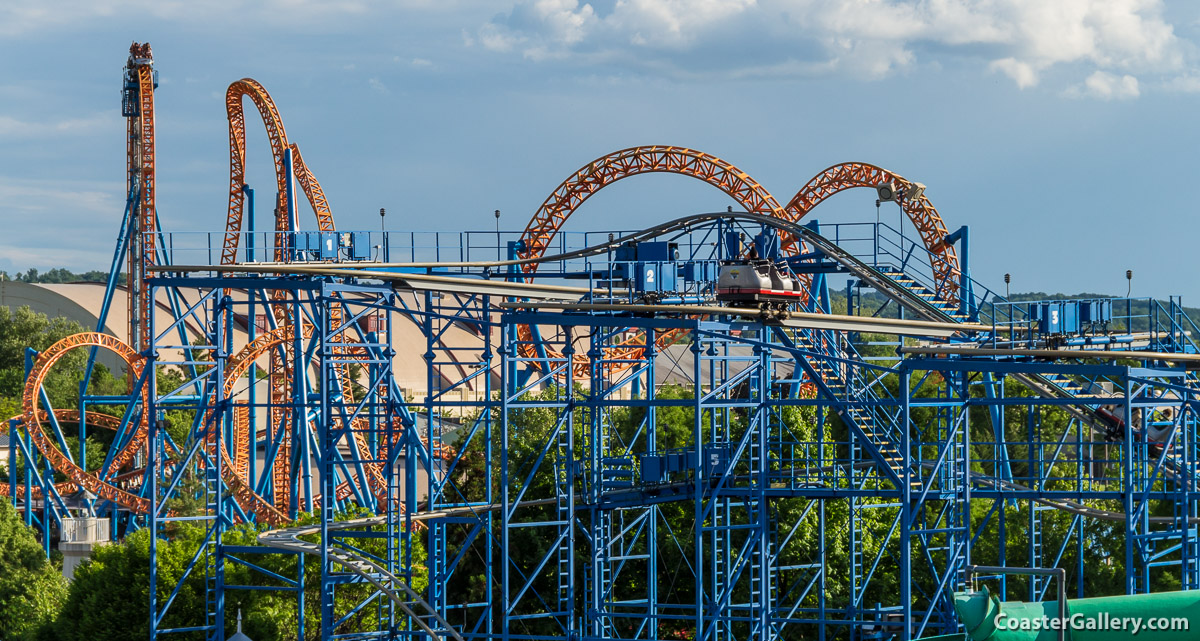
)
(280, 382)
(33, 416)
(277, 137)
(396, 590)
(911, 198)
(606, 170)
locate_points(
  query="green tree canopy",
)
(31, 588)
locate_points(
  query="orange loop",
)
(924, 216)
(604, 171)
(277, 136)
(246, 496)
(66, 416)
(34, 416)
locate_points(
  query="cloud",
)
(85, 199)
(90, 210)
(1188, 83)
(13, 128)
(32, 17)
(1022, 39)
(674, 23)
(377, 85)
(1106, 86)
(1022, 73)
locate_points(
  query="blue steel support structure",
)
(820, 489)
(800, 483)
(908, 517)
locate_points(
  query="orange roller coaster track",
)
(277, 136)
(140, 84)
(236, 469)
(604, 171)
(912, 200)
(34, 416)
(94, 419)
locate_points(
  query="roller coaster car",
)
(747, 283)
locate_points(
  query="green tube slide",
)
(1165, 616)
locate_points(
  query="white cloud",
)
(30, 17)
(1022, 39)
(1188, 83)
(498, 39)
(565, 19)
(673, 23)
(32, 195)
(377, 85)
(1106, 86)
(11, 127)
(1022, 73)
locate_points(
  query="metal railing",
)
(84, 530)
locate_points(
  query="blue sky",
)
(1061, 132)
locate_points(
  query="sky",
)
(1061, 132)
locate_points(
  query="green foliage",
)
(95, 458)
(115, 579)
(31, 588)
(26, 328)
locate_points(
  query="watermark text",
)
(1101, 621)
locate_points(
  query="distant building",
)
(5, 443)
(459, 348)
(77, 538)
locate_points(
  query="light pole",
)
(498, 254)
(875, 238)
(382, 235)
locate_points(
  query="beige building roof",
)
(459, 348)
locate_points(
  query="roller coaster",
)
(935, 422)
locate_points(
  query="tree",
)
(31, 588)
(59, 275)
(25, 328)
(116, 579)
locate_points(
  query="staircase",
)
(951, 310)
(856, 403)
